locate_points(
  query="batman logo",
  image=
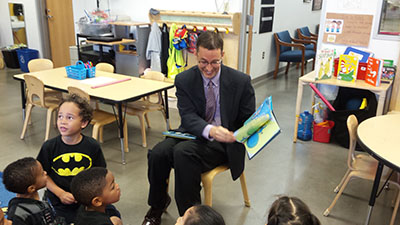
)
(70, 164)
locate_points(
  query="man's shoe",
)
(153, 216)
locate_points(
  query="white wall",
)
(385, 49)
(289, 15)
(138, 10)
(31, 22)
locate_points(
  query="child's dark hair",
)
(89, 184)
(85, 110)
(291, 211)
(19, 175)
(204, 215)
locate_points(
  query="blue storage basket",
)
(79, 71)
(91, 72)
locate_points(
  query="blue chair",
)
(304, 33)
(286, 51)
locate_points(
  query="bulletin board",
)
(347, 29)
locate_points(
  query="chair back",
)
(35, 89)
(106, 67)
(305, 31)
(352, 124)
(154, 75)
(79, 92)
(283, 36)
(40, 64)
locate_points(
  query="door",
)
(60, 21)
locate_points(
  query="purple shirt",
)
(217, 116)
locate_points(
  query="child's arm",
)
(64, 196)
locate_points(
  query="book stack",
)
(374, 71)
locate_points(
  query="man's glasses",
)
(215, 63)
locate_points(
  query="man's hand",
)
(222, 134)
(67, 198)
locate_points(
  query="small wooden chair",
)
(141, 107)
(36, 96)
(100, 117)
(35, 65)
(207, 180)
(106, 67)
(362, 166)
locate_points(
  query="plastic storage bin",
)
(24, 56)
(79, 71)
(94, 29)
(322, 133)
(10, 58)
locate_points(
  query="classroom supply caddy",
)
(80, 71)
(322, 131)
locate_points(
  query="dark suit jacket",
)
(237, 104)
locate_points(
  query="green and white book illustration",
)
(259, 129)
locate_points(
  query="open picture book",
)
(259, 130)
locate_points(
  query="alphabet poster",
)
(348, 29)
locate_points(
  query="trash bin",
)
(10, 58)
(322, 133)
(25, 55)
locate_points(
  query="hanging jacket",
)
(153, 51)
(164, 48)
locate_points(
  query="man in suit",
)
(213, 101)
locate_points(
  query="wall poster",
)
(347, 29)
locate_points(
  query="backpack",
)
(179, 40)
(193, 36)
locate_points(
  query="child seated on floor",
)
(200, 215)
(64, 156)
(25, 177)
(95, 189)
(291, 211)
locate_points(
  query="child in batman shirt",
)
(64, 156)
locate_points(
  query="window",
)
(388, 20)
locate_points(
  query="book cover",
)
(324, 64)
(347, 68)
(388, 73)
(180, 135)
(259, 130)
(374, 71)
(361, 55)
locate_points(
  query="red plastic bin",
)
(322, 133)
(361, 72)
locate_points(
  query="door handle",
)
(49, 16)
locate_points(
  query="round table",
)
(380, 137)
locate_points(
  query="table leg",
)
(23, 99)
(121, 131)
(374, 191)
(298, 105)
(166, 108)
(381, 103)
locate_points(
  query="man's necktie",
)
(210, 103)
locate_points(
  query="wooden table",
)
(119, 93)
(380, 136)
(359, 84)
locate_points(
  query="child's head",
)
(200, 215)
(95, 187)
(291, 211)
(74, 114)
(24, 176)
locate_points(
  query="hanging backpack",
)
(179, 40)
(193, 36)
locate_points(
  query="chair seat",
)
(102, 117)
(295, 55)
(310, 47)
(145, 105)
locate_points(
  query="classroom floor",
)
(308, 170)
